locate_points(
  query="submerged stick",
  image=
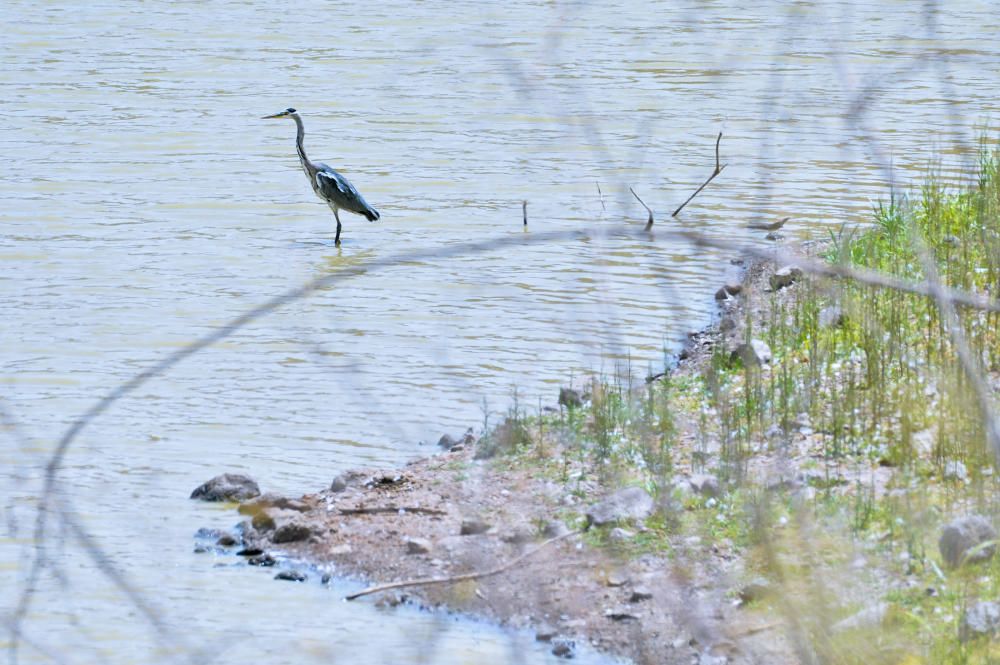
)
(717, 171)
(460, 578)
(649, 222)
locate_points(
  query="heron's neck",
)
(300, 135)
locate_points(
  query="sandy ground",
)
(451, 514)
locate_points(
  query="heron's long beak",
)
(276, 115)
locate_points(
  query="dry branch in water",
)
(524, 211)
(649, 222)
(461, 578)
(717, 171)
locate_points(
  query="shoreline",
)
(452, 514)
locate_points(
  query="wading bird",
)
(336, 190)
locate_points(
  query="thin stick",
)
(649, 222)
(461, 578)
(717, 171)
(600, 195)
(390, 509)
(524, 211)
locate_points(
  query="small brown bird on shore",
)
(773, 226)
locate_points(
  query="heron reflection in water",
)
(335, 190)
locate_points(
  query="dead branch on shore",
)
(461, 578)
(717, 171)
(390, 509)
(649, 222)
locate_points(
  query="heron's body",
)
(333, 188)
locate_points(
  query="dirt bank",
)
(630, 585)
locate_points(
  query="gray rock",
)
(981, 619)
(564, 648)
(729, 290)
(639, 594)
(554, 529)
(570, 398)
(631, 503)
(291, 532)
(447, 441)
(226, 540)
(472, 526)
(705, 484)
(291, 576)
(754, 354)
(227, 487)
(832, 317)
(339, 483)
(783, 277)
(418, 546)
(961, 537)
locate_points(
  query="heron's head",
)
(287, 113)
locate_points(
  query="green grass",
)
(890, 409)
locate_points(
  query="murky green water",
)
(144, 202)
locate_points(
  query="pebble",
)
(291, 576)
(291, 532)
(563, 648)
(639, 594)
(472, 526)
(262, 560)
(418, 546)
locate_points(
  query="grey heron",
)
(335, 190)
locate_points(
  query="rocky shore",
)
(521, 529)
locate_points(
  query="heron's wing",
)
(338, 190)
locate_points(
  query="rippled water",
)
(144, 203)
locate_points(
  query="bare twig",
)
(600, 195)
(461, 578)
(390, 509)
(649, 222)
(524, 211)
(717, 171)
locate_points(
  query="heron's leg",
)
(336, 241)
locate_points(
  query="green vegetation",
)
(865, 411)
